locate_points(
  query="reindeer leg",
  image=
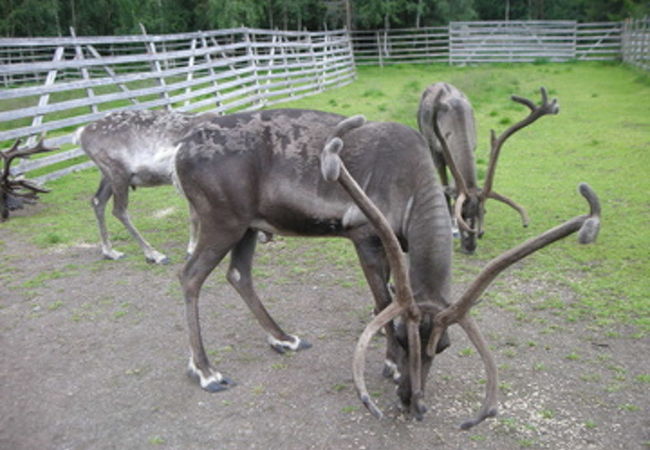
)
(98, 203)
(239, 276)
(194, 231)
(377, 272)
(120, 204)
(192, 277)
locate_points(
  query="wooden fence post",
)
(379, 52)
(84, 72)
(155, 65)
(190, 71)
(252, 57)
(45, 98)
(208, 60)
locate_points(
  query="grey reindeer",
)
(262, 171)
(133, 149)
(446, 120)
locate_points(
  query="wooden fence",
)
(636, 42)
(490, 41)
(57, 84)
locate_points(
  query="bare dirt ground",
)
(93, 356)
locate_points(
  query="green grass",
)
(601, 136)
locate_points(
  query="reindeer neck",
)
(430, 244)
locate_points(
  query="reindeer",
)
(16, 191)
(136, 149)
(262, 171)
(446, 120)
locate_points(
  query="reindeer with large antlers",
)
(262, 171)
(446, 120)
(16, 190)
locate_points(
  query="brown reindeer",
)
(262, 171)
(446, 120)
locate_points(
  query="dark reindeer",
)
(446, 120)
(133, 149)
(15, 191)
(262, 171)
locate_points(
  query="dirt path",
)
(94, 352)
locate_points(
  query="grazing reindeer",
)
(446, 120)
(14, 192)
(133, 148)
(262, 171)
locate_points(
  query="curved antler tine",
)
(520, 209)
(590, 228)
(461, 186)
(524, 101)
(6, 154)
(458, 213)
(489, 407)
(415, 367)
(359, 360)
(542, 90)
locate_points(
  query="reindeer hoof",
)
(218, 386)
(470, 423)
(214, 383)
(158, 259)
(112, 255)
(296, 344)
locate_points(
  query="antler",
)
(333, 169)
(461, 185)
(496, 143)
(19, 187)
(587, 225)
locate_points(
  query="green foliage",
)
(108, 17)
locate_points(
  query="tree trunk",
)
(348, 14)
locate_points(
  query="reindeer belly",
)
(294, 223)
(292, 210)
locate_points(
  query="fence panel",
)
(399, 46)
(636, 42)
(598, 41)
(511, 41)
(223, 71)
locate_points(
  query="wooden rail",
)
(58, 84)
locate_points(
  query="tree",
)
(30, 18)
(455, 10)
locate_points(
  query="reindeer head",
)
(469, 208)
(422, 327)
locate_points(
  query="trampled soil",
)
(93, 356)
